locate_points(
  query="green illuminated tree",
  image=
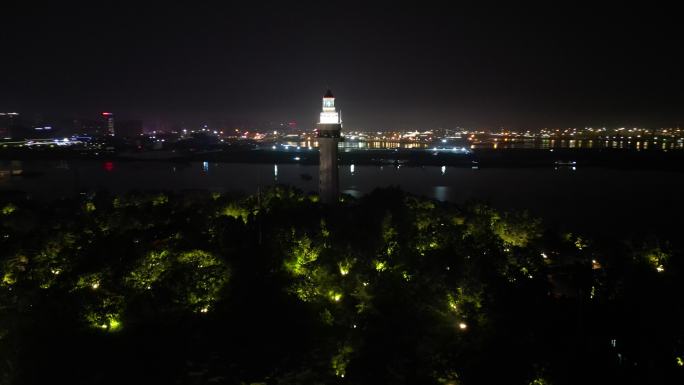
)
(516, 229)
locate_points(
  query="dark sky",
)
(421, 65)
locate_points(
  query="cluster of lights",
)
(334, 296)
(452, 149)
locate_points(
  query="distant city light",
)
(462, 326)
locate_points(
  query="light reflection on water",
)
(441, 193)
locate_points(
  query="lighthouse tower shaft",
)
(329, 127)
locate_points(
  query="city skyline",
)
(394, 68)
(350, 193)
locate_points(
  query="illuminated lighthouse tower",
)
(329, 127)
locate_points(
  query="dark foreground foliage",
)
(199, 288)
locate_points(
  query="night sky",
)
(390, 65)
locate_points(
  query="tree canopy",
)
(277, 288)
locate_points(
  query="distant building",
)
(8, 121)
(109, 121)
(329, 127)
(90, 127)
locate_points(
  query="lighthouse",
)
(329, 127)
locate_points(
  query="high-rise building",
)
(329, 127)
(109, 117)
